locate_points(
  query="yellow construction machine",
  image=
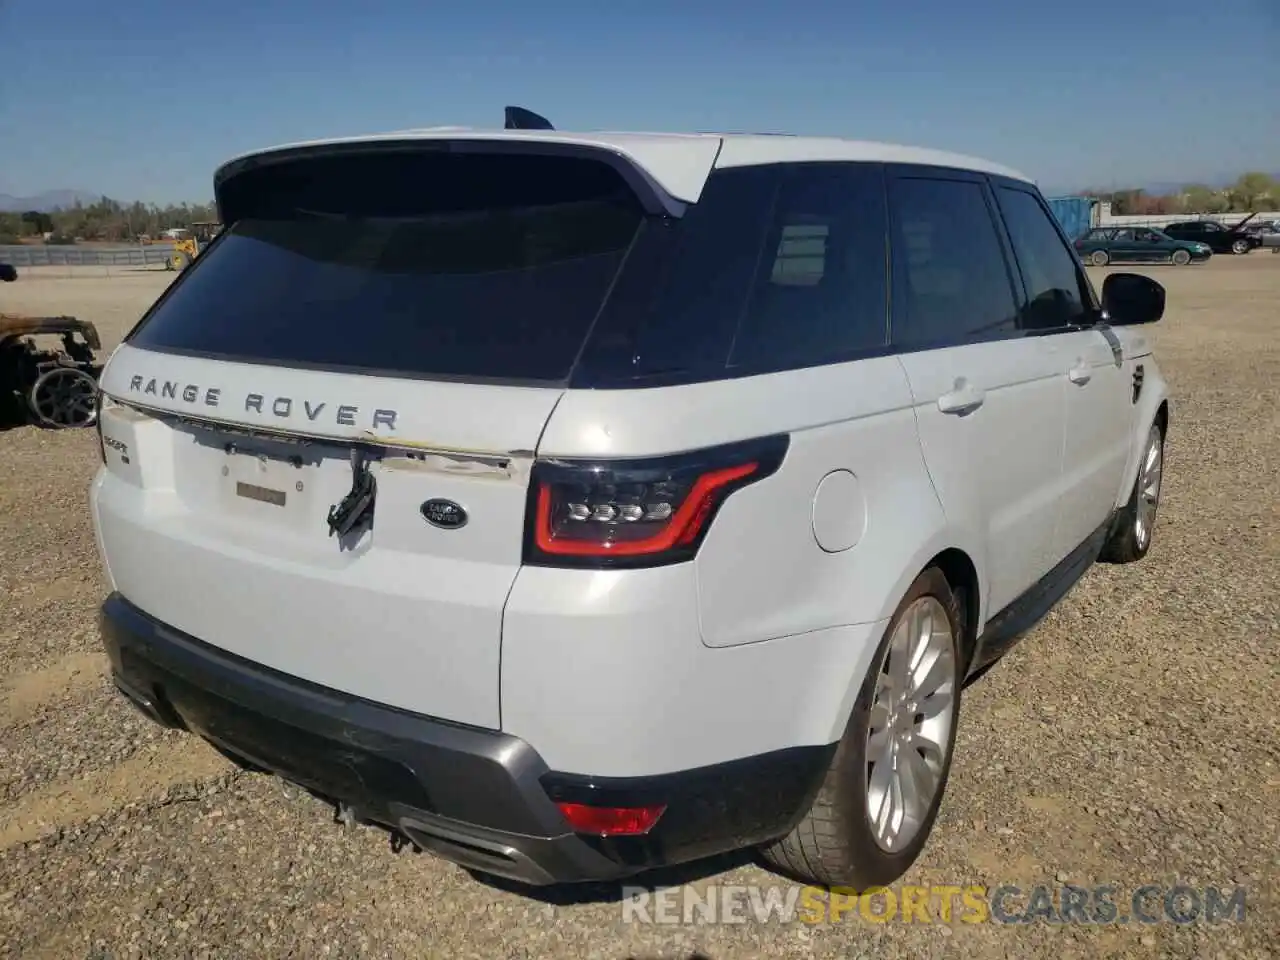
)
(190, 244)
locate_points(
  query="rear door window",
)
(951, 283)
(474, 268)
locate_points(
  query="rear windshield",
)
(472, 268)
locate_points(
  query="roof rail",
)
(518, 118)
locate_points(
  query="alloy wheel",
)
(909, 732)
(1149, 487)
(64, 397)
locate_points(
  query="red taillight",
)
(638, 513)
(611, 821)
(659, 524)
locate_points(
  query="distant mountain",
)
(44, 202)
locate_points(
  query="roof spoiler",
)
(518, 118)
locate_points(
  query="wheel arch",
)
(1162, 416)
(962, 576)
(1153, 408)
(951, 553)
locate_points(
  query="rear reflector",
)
(611, 821)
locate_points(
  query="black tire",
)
(1099, 258)
(1181, 258)
(1240, 247)
(834, 845)
(1127, 543)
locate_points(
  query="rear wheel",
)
(881, 794)
(1099, 258)
(1181, 257)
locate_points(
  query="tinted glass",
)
(686, 284)
(500, 277)
(950, 281)
(1054, 294)
(820, 292)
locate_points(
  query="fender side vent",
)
(1138, 375)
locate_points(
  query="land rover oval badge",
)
(444, 514)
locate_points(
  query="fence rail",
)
(25, 255)
(1107, 219)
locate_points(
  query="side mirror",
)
(8, 273)
(1129, 298)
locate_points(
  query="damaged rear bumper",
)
(479, 798)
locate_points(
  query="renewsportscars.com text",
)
(1065, 903)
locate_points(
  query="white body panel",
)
(408, 615)
(855, 417)
(1136, 349)
(1097, 434)
(996, 468)
(604, 673)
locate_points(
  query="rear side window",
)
(820, 293)
(1055, 294)
(776, 267)
(950, 280)
(436, 265)
(680, 299)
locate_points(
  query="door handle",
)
(965, 398)
(1080, 374)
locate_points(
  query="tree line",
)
(111, 220)
(1251, 192)
(106, 219)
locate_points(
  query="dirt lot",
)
(1132, 739)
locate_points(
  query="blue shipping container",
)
(1074, 213)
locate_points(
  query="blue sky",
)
(142, 98)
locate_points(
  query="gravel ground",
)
(1131, 739)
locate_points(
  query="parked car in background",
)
(1219, 237)
(1268, 234)
(1103, 245)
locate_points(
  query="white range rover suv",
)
(574, 504)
